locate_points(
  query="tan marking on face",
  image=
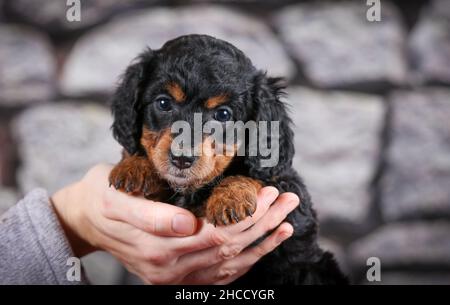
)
(157, 146)
(148, 139)
(208, 165)
(215, 101)
(176, 92)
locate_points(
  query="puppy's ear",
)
(127, 125)
(268, 107)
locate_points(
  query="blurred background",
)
(370, 100)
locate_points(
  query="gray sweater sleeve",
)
(33, 246)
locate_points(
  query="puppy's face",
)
(190, 76)
(193, 81)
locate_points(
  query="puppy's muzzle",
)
(183, 161)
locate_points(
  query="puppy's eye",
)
(223, 114)
(164, 103)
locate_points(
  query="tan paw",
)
(232, 200)
(134, 175)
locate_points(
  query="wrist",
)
(68, 203)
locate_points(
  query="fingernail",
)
(182, 224)
(282, 237)
(269, 191)
(294, 202)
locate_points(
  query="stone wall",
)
(370, 103)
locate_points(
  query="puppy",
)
(198, 74)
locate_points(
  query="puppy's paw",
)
(232, 200)
(134, 175)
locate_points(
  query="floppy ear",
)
(268, 107)
(127, 125)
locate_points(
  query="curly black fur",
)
(205, 66)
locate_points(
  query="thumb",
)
(153, 217)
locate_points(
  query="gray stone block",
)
(416, 182)
(401, 245)
(27, 66)
(338, 47)
(101, 56)
(429, 43)
(58, 143)
(337, 141)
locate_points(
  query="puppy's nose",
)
(182, 161)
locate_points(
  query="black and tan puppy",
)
(201, 74)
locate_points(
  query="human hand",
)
(165, 244)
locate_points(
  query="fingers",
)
(210, 236)
(285, 204)
(236, 244)
(206, 237)
(266, 196)
(230, 270)
(152, 217)
(253, 254)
